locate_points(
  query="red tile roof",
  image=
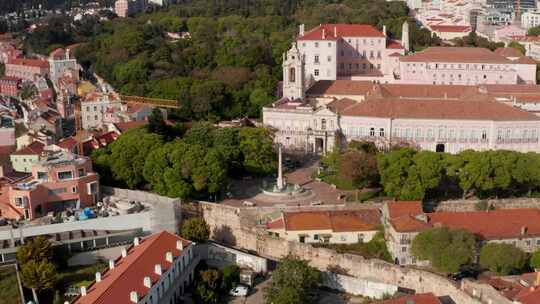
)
(424, 298)
(129, 272)
(29, 62)
(510, 222)
(340, 87)
(401, 208)
(439, 109)
(508, 52)
(451, 28)
(409, 223)
(393, 44)
(525, 60)
(124, 126)
(337, 221)
(67, 143)
(457, 55)
(336, 31)
(35, 148)
(338, 106)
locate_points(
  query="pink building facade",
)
(465, 66)
(60, 181)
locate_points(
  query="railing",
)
(165, 103)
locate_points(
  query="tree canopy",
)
(447, 250)
(292, 282)
(502, 258)
(195, 229)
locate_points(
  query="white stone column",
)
(279, 181)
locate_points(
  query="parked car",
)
(239, 291)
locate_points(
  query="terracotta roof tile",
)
(337, 31)
(401, 208)
(508, 52)
(409, 223)
(510, 222)
(525, 60)
(35, 148)
(339, 87)
(129, 272)
(337, 221)
(29, 62)
(456, 54)
(124, 126)
(439, 109)
(338, 106)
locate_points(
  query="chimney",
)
(523, 230)
(323, 33)
(157, 269)
(301, 30)
(83, 291)
(124, 253)
(384, 30)
(147, 282)
(335, 31)
(111, 264)
(134, 297)
(179, 245)
(98, 277)
(537, 283)
(136, 241)
(169, 256)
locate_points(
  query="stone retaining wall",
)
(470, 205)
(226, 227)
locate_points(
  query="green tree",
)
(38, 249)
(129, 153)
(230, 277)
(358, 168)
(196, 229)
(447, 250)
(38, 275)
(518, 46)
(535, 260)
(156, 123)
(292, 282)
(502, 258)
(534, 31)
(256, 145)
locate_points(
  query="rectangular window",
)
(329, 58)
(42, 175)
(381, 132)
(81, 172)
(316, 44)
(371, 131)
(57, 191)
(316, 72)
(65, 175)
(316, 58)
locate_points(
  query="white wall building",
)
(530, 19)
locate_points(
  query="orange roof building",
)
(344, 226)
(155, 269)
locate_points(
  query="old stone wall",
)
(470, 205)
(226, 227)
(356, 286)
(485, 293)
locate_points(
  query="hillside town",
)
(362, 152)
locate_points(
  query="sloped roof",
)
(129, 272)
(336, 221)
(337, 31)
(339, 87)
(35, 148)
(439, 109)
(456, 54)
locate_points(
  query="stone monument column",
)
(279, 181)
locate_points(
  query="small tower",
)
(293, 73)
(405, 36)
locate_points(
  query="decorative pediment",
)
(324, 111)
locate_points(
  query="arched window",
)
(292, 75)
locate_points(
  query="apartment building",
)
(127, 8)
(58, 181)
(333, 227)
(27, 69)
(10, 86)
(154, 270)
(24, 159)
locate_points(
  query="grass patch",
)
(374, 249)
(9, 288)
(79, 275)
